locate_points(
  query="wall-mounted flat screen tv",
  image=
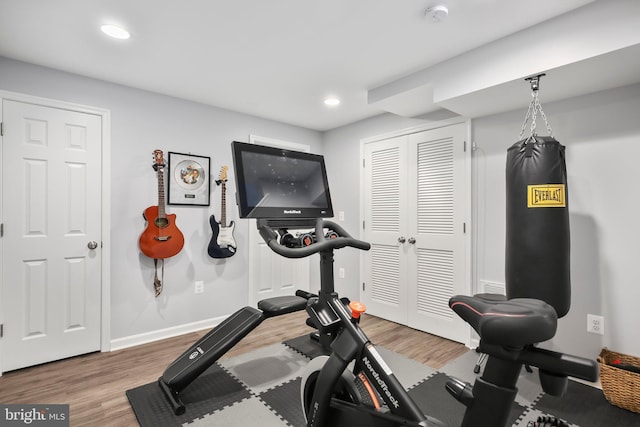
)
(274, 183)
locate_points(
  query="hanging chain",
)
(534, 107)
(544, 116)
(526, 118)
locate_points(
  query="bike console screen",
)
(274, 183)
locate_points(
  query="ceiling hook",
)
(535, 81)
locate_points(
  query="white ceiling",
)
(275, 59)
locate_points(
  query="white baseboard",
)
(161, 334)
(475, 340)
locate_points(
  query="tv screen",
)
(274, 183)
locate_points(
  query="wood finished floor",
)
(94, 385)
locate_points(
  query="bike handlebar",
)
(561, 364)
(344, 239)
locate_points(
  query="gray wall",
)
(141, 122)
(601, 132)
(602, 135)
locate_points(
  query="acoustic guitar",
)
(162, 238)
(222, 244)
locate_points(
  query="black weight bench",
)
(208, 349)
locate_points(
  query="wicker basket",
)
(620, 387)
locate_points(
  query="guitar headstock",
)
(158, 159)
(223, 175)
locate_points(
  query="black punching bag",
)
(537, 236)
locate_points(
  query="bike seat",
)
(515, 323)
(278, 306)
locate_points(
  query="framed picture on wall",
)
(189, 179)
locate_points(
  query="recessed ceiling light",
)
(332, 101)
(115, 31)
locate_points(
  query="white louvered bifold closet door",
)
(414, 219)
(384, 221)
(438, 223)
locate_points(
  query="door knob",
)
(412, 240)
(401, 239)
(92, 245)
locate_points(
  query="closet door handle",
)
(401, 239)
(412, 240)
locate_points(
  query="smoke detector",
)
(437, 13)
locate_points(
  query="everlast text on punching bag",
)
(537, 235)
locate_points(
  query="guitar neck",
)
(223, 204)
(161, 209)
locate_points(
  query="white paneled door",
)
(272, 275)
(414, 217)
(51, 243)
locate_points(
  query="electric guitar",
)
(162, 238)
(222, 244)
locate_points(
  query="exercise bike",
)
(354, 385)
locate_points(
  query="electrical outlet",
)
(199, 287)
(341, 273)
(595, 324)
(341, 216)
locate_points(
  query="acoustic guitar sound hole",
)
(161, 222)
